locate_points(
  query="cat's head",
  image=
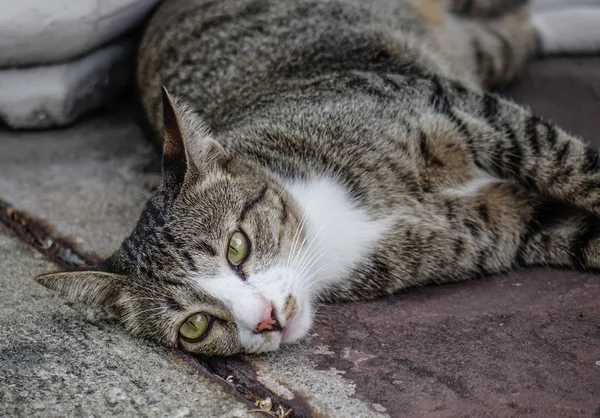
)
(212, 265)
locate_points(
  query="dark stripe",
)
(168, 235)
(174, 170)
(563, 153)
(459, 246)
(458, 88)
(591, 162)
(590, 230)
(204, 247)
(172, 304)
(480, 264)
(497, 159)
(252, 203)
(484, 212)
(154, 213)
(544, 215)
(532, 134)
(191, 263)
(430, 159)
(284, 211)
(439, 98)
(590, 186)
(450, 210)
(551, 133)
(471, 226)
(336, 52)
(490, 109)
(128, 252)
(514, 157)
(357, 83)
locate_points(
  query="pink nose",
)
(269, 322)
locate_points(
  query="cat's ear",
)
(95, 287)
(188, 147)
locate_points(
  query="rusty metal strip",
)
(240, 375)
(37, 234)
(236, 376)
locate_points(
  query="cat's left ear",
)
(188, 146)
(95, 287)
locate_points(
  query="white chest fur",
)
(340, 233)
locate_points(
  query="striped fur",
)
(373, 114)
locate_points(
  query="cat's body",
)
(353, 148)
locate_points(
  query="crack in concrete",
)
(234, 375)
(36, 234)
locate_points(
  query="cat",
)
(341, 150)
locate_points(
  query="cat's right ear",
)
(95, 287)
(175, 159)
(188, 146)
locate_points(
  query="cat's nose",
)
(269, 322)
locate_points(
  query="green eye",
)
(195, 326)
(238, 248)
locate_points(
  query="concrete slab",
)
(57, 95)
(41, 31)
(525, 344)
(88, 182)
(58, 359)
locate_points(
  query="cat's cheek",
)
(298, 326)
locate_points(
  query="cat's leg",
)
(466, 232)
(492, 52)
(560, 235)
(507, 140)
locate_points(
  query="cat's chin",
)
(298, 326)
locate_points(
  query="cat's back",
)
(204, 50)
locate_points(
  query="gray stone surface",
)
(87, 182)
(59, 359)
(44, 31)
(57, 95)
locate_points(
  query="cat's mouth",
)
(288, 330)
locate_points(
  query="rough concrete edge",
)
(234, 375)
(70, 89)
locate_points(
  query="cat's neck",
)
(340, 234)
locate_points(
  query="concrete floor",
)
(524, 344)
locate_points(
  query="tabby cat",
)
(335, 150)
